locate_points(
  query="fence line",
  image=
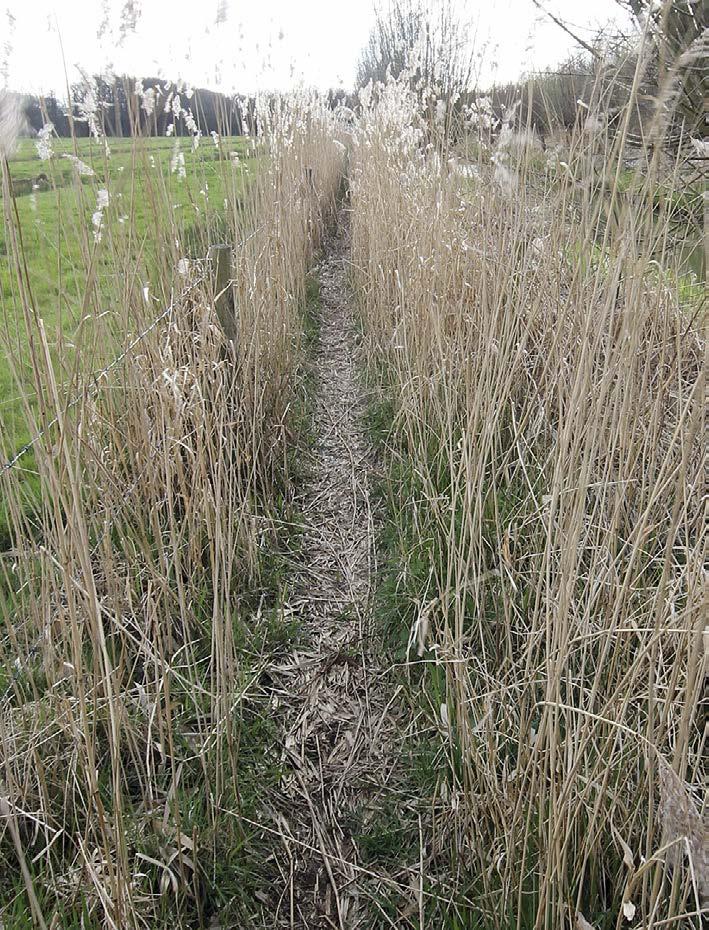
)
(34, 649)
(219, 259)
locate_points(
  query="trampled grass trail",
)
(331, 713)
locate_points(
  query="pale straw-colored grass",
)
(546, 363)
(125, 593)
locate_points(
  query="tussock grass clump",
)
(135, 596)
(543, 348)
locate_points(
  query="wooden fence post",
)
(220, 258)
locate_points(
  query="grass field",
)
(68, 277)
(58, 250)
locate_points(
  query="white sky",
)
(245, 45)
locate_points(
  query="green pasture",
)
(54, 269)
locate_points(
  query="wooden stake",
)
(220, 257)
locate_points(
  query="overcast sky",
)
(247, 45)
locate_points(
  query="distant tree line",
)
(581, 87)
(125, 106)
(432, 46)
(669, 79)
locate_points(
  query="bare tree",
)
(427, 39)
(678, 30)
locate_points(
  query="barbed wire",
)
(96, 377)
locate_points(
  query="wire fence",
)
(21, 664)
(94, 385)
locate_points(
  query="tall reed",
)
(544, 351)
(132, 584)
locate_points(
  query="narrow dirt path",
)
(330, 714)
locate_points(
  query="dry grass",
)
(547, 375)
(542, 351)
(126, 596)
